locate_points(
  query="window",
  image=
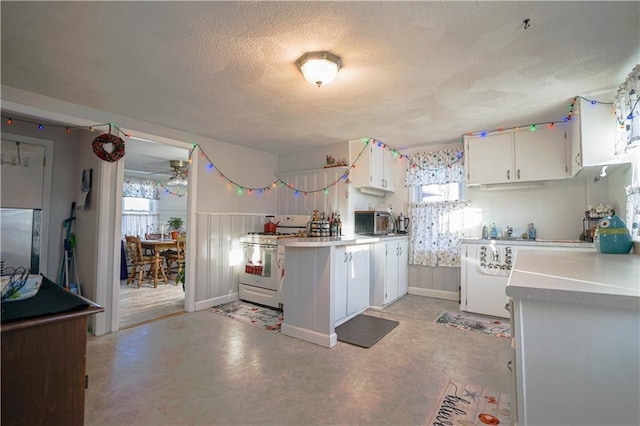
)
(453, 191)
(139, 216)
(131, 205)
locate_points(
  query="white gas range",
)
(262, 275)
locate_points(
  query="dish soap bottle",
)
(531, 232)
(494, 230)
(485, 231)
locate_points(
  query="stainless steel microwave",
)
(372, 222)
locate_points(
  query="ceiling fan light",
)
(180, 173)
(177, 181)
(319, 68)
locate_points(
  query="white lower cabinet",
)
(352, 281)
(485, 268)
(390, 271)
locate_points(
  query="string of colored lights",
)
(550, 124)
(67, 128)
(396, 154)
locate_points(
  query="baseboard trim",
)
(328, 341)
(204, 304)
(436, 294)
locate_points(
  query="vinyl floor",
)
(202, 368)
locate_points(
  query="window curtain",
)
(437, 167)
(139, 224)
(137, 188)
(436, 227)
(627, 109)
(633, 196)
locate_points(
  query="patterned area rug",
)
(248, 313)
(486, 325)
(471, 405)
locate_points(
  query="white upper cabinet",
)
(516, 156)
(489, 159)
(591, 133)
(540, 154)
(374, 169)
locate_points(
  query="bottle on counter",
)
(531, 232)
(339, 224)
(494, 230)
(485, 231)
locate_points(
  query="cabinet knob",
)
(509, 366)
(508, 174)
(518, 174)
(507, 307)
(577, 159)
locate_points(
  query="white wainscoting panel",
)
(218, 236)
(334, 199)
(438, 282)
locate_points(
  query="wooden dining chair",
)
(176, 255)
(140, 261)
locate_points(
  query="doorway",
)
(149, 204)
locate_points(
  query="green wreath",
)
(118, 147)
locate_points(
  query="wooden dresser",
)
(43, 366)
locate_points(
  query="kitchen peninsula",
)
(576, 327)
(317, 286)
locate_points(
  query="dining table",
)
(157, 246)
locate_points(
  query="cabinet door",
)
(341, 261)
(540, 154)
(376, 171)
(391, 274)
(390, 162)
(489, 159)
(358, 278)
(403, 267)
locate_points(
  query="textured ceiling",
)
(414, 73)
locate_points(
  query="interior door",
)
(22, 172)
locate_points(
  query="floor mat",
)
(364, 330)
(248, 313)
(486, 325)
(471, 405)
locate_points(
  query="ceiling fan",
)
(180, 173)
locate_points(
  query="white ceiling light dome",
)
(319, 68)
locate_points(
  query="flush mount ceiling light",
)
(180, 173)
(319, 67)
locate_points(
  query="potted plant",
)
(175, 223)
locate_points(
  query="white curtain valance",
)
(436, 167)
(138, 188)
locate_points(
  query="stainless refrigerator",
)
(20, 239)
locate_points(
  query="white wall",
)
(247, 167)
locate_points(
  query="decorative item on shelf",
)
(332, 162)
(612, 236)
(599, 211)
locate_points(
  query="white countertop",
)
(537, 243)
(327, 241)
(589, 277)
(336, 241)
